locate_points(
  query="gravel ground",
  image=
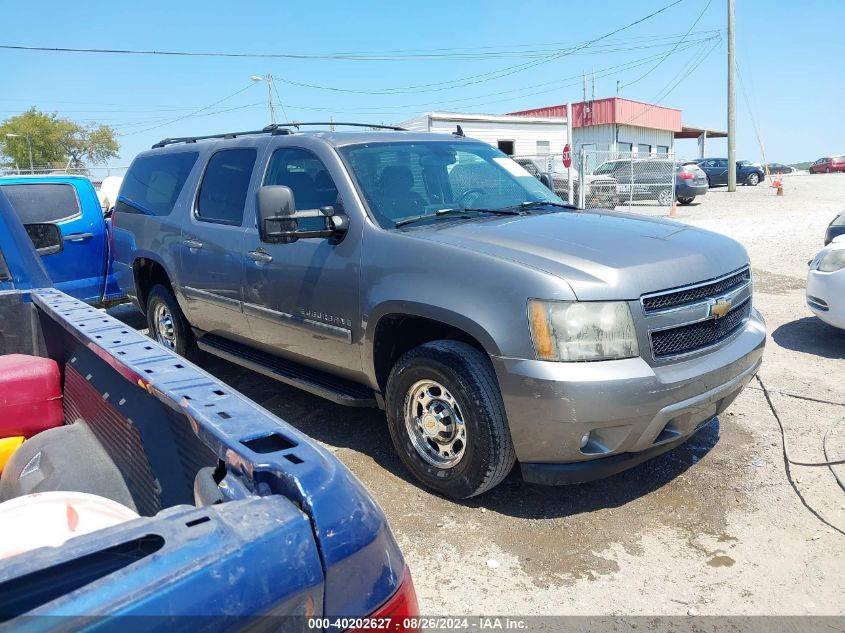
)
(713, 527)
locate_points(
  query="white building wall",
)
(523, 131)
(601, 138)
(635, 135)
(605, 138)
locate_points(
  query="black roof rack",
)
(275, 128)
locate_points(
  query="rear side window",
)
(154, 182)
(224, 186)
(39, 203)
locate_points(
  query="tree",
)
(56, 142)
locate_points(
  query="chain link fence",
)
(96, 174)
(643, 184)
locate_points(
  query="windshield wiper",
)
(533, 204)
(455, 212)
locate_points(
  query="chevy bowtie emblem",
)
(720, 308)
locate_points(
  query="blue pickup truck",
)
(64, 219)
(240, 514)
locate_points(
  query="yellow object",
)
(538, 319)
(8, 445)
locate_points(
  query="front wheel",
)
(753, 180)
(166, 323)
(447, 419)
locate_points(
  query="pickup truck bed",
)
(162, 421)
(241, 514)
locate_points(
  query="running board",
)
(319, 383)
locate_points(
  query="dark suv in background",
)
(651, 179)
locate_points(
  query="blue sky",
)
(789, 53)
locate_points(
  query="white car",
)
(826, 283)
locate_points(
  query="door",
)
(212, 245)
(301, 299)
(716, 170)
(77, 262)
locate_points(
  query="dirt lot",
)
(712, 528)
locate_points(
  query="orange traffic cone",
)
(777, 183)
(673, 211)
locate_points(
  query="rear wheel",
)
(447, 419)
(827, 170)
(753, 179)
(686, 201)
(664, 197)
(166, 323)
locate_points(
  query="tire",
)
(664, 197)
(458, 383)
(752, 180)
(709, 184)
(686, 201)
(827, 170)
(162, 310)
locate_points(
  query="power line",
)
(484, 77)
(423, 54)
(672, 50)
(382, 111)
(196, 112)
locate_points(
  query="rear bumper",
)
(690, 191)
(573, 422)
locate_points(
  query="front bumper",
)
(627, 410)
(826, 296)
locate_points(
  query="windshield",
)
(606, 168)
(404, 180)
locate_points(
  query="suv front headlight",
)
(582, 331)
(833, 261)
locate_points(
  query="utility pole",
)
(269, 79)
(584, 77)
(731, 100)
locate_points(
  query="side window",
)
(722, 164)
(305, 175)
(40, 203)
(154, 182)
(224, 186)
(5, 275)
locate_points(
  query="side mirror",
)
(546, 180)
(278, 219)
(47, 238)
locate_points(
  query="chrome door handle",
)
(192, 243)
(78, 237)
(260, 256)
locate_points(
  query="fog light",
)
(585, 440)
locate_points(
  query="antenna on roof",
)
(459, 131)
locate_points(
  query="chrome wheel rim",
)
(664, 198)
(752, 179)
(165, 331)
(435, 424)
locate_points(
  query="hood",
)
(601, 255)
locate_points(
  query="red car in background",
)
(828, 164)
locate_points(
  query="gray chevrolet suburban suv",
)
(432, 276)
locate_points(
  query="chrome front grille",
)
(693, 318)
(695, 336)
(691, 294)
